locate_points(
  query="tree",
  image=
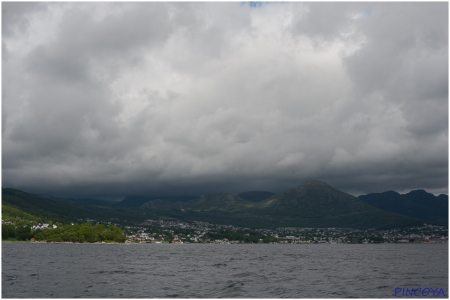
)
(8, 231)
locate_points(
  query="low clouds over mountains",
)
(113, 99)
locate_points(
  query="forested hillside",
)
(20, 225)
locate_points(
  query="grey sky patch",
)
(116, 99)
(14, 16)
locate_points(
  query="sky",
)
(106, 100)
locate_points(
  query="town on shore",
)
(172, 231)
(179, 232)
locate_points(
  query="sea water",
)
(226, 271)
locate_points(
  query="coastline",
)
(42, 242)
(100, 243)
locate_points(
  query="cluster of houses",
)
(157, 237)
(198, 233)
(423, 234)
(425, 240)
(42, 226)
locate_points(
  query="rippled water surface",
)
(212, 271)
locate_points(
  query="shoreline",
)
(40, 242)
(100, 243)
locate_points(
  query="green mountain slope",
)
(16, 223)
(55, 209)
(316, 204)
(314, 199)
(13, 214)
(35, 204)
(256, 196)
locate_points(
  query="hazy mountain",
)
(138, 201)
(219, 201)
(417, 204)
(89, 201)
(256, 196)
(159, 204)
(223, 201)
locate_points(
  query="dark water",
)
(212, 271)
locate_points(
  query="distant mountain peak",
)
(315, 183)
(315, 200)
(416, 204)
(392, 192)
(418, 192)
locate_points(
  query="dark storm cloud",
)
(113, 99)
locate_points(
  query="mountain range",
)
(313, 204)
(416, 204)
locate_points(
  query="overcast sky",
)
(113, 99)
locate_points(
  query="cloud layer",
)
(114, 99)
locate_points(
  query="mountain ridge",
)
(311, 204)
(255, 196)
(416, 203)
